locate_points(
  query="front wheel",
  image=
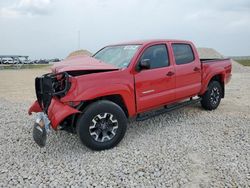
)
(211, 99)
(102, 125)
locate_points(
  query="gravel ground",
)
(189, 147)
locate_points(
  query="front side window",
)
(120, 56)
(183, 53)
(158, 56)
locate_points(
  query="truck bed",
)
(210, 67)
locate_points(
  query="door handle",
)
(196, 69)
(170, 73)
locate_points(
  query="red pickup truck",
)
(94, 96)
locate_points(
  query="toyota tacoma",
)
(95, 96)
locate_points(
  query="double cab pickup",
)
(95, 96)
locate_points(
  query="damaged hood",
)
(81, 63)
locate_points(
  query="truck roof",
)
(145, 42)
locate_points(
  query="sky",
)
(49, 28)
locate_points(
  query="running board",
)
(145, 116)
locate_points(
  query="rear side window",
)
(183, 53)
(158, 56)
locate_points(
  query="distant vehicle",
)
(33, 61)
(14, 59)
(26, 61)
(94, 96)
(8, 61)
(54, 60)
(17, 61)
(42, 61)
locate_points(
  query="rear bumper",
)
(57, 111)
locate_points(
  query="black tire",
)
(90, 123)
(211, 99)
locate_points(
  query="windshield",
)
(120, 56)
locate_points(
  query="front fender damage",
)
(57, 111)
(35, 107)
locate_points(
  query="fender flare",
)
(209, 77)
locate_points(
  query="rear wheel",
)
(211, 99)
(102, 125)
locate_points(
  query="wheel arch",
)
(216, 77)
(115, 98)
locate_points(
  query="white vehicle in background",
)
(8, 61)
(26, 61)
(14, 59)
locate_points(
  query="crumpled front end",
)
(51, 111)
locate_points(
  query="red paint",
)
(223, 69)
(187, 80)
(35, 107)
(57, 112)
(81, 62)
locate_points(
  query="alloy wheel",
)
(104, 127)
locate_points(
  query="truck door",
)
(155, 85)
(188, 71)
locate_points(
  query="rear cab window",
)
(183, 53)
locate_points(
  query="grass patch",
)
(25, 66)
(245, 62)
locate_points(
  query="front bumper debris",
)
(41, 129)
(57, 111)
(49, 86)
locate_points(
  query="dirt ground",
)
(19, 85)
(189, 147)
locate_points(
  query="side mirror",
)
(144, 64)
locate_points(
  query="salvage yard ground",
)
(189, 147)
